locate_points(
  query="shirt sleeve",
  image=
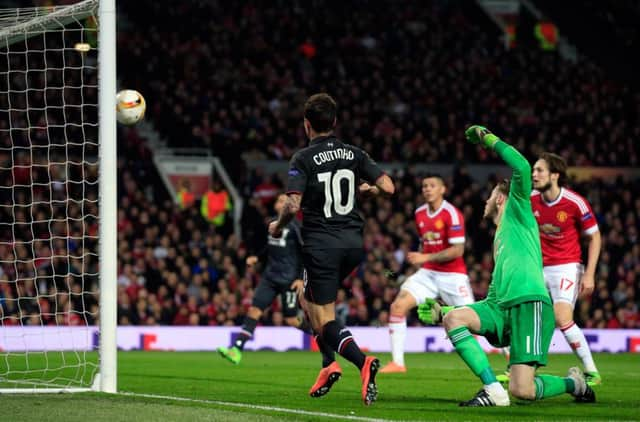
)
(369, 169)
(588, 222)
(296, 176)
(455, 228)
(520, 186)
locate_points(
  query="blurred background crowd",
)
(408, 76)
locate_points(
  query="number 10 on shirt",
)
(333, 191)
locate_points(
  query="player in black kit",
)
(323, 180)
(282, 276)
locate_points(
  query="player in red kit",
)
(443, 273)
(563, 216)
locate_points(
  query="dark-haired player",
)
(323, 180)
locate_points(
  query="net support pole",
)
(108, 195)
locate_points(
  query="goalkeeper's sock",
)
(398, 333)
(551, 385)
(248, 327)
(472, 354)
(341, 340)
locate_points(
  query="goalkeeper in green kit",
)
(517, 311)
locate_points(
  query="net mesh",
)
(48, 196)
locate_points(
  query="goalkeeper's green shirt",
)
(517, 275)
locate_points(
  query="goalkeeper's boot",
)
(393, 368)
(232, 354)
(326, 378)
(582, 392)
(593, 378)
(490, 395)
(368, 377)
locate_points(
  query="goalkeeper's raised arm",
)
(521, 179)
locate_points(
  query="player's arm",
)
(445, 255)
(288, 213)
(587, 283)
(383, 185)
(521, 180)
(296, 185)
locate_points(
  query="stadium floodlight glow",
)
(58, 262)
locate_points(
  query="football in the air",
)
(130, 106)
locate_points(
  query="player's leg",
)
(455, 290)
(413, 291)
(485, 319)
(331, 371)
(563, 282)
(262, 298)
(289, 299)
(325, 269)
(532, 328)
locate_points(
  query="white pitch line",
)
(256, 406)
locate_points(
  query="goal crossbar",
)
(59, 16)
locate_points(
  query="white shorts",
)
(452, 288)
(563, 281)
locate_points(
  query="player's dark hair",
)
(434, 176)
(503, 186)
(557, 165)
(320, 111)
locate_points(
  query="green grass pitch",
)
(271, 386)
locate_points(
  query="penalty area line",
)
(255, 407)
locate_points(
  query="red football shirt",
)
(561, 222)
(438, 231)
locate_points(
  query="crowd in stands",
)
(408, 76)
(175, 268)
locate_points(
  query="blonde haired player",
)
(443, 273)
(562, 216)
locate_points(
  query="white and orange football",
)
(130, 106)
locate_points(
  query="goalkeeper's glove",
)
(477, 134)
(431, 312)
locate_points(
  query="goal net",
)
(49, 198)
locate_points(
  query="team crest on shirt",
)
(562, 216)
(439, 224)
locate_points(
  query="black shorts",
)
(325, 269)
(267, 291)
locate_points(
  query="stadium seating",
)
(408, 79)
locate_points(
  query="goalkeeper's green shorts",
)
(526, 327)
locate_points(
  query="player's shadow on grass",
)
(207, 378)
(419, 400)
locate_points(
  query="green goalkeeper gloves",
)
(431, 312)
(477, 134)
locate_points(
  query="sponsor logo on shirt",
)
(281, 241)
(549, 229)
(587, 216)
(456, 228)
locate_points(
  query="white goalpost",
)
(58, 203)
